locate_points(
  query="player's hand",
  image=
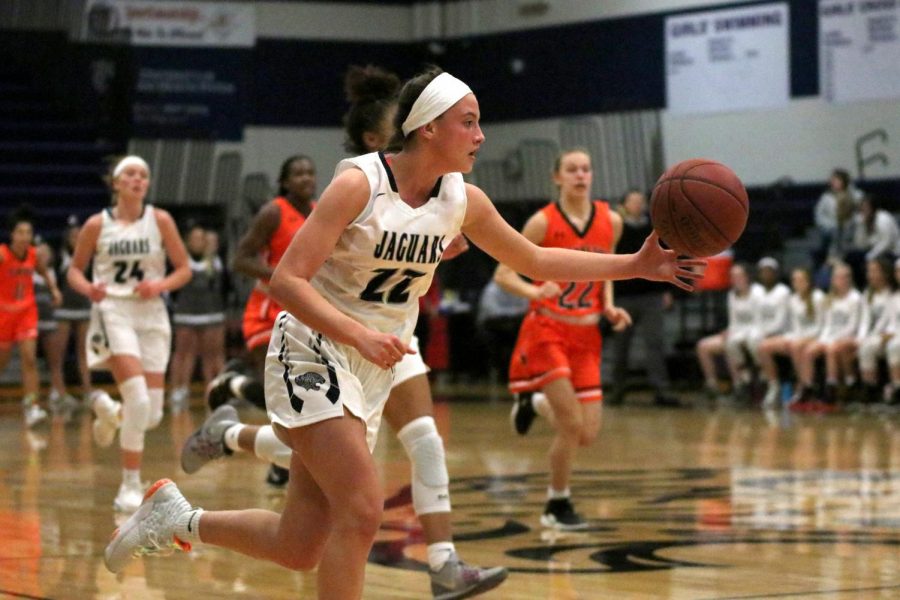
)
(148, 289)
(548, 289)
(382, 349)
(457, 246)
(619, 317)
(57, 296)
(98, 292)
(655, 263)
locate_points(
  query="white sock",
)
(131, 477)
(850, 381)
(235, 383)
(542, 405)
(187, 528)
(231, 437)
(439, 553)
(553, 494)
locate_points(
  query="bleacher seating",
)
(49, 159)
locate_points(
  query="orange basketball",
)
(699, 207)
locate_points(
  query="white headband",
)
(444, 91)
(130, 161)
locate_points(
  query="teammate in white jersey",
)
(805, 316)
(869, 343)
(354, 272)
(742, 326)
(129, 332)
(843, 308)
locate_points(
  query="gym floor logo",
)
(645, 515)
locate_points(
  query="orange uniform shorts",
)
(549, 349)
(18, 325)
(259, 318)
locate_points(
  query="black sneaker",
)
(522, 414)
(277, 476)
(218, 392)
(560, 514)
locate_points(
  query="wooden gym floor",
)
(693, 503)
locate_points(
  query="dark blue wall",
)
(600, 66)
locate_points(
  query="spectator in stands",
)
(199, 319)
(58, 401)
(73, 313)
(742, 325)
(842, 311)
(873, 232)
(832, 214)
(499, 317)
(645, 301)
(868, 344)
(805, 315)
(892, 337)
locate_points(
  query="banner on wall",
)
(859, 49)
(194, 93)
(188, 64)
(168, 23)
(728, 60)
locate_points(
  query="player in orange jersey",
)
(559, 345)
(18, 307)
(258, 252)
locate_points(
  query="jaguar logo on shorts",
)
(310, 381)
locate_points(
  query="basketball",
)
(699, 207)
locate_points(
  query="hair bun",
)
(369, 84)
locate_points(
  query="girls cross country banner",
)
(859, 49)
(728, 60)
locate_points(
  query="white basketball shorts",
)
(134, 327)
(310, 379)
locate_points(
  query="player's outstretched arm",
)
(487, 229)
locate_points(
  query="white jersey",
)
(773, 310)
(891, 316)
(385, 259)
(874, 310)
(743, 311)
(806, 323)
(128, 253)
(841, 316)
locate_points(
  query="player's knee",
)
(135, 413)
(430, 480)
(299, 558)
(360, 518)
(588, 436)
(569, 423)
(157, 398)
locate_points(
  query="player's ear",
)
(428, 130)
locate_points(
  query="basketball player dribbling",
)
(372, 93)
(559, 345)
(355, 272)
(129, 333)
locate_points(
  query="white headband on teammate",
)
(130, 161)
(444, 91)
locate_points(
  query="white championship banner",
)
(859, 49)
(728, 60)
(156, 23)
